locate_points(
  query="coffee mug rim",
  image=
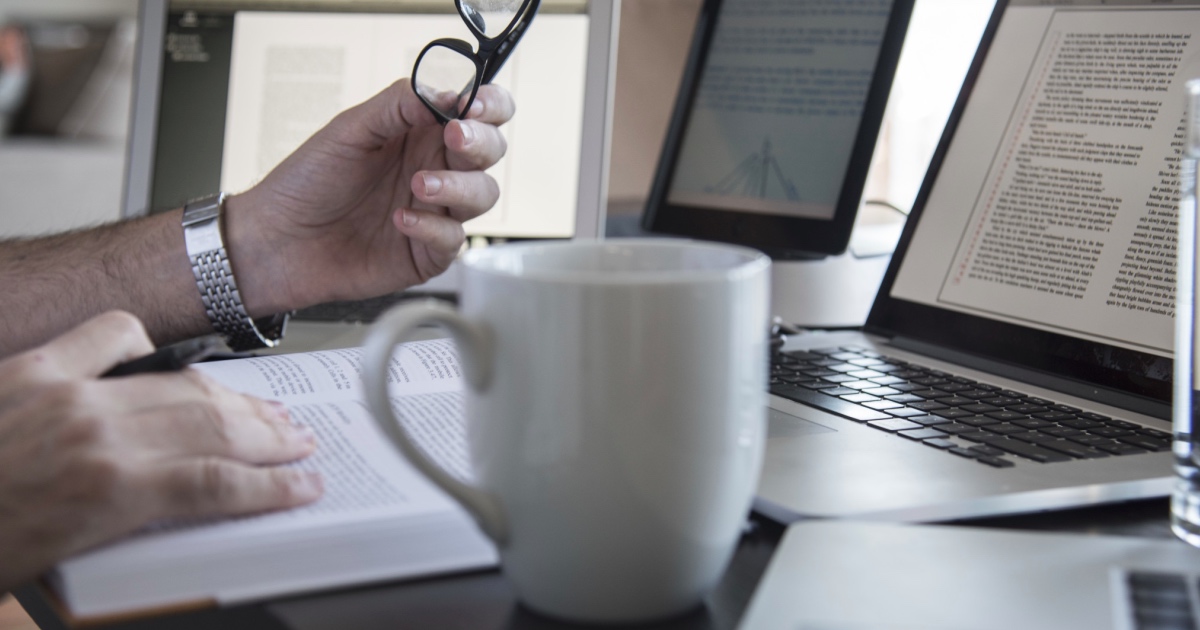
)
(753, 262)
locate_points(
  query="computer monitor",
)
(775, 123)
(225, 89)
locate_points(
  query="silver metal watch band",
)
(214, 279)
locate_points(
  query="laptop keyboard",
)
(978, 421)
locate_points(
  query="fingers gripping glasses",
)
(448, 72)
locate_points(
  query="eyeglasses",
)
(448, 72)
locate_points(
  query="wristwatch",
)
(214, 278)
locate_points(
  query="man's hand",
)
(84, 460)
(372, 203)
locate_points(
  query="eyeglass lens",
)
(489, 18)
(446, 77)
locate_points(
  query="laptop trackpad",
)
(780, 424)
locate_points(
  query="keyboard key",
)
(1110, 431)
(928, 405)
(929, 421)
(818, 372)
(955, 428)
(845, 356)
(954, 401)
(980, 408)
(978, 421)
(904, 412)
(1029, 409)
(1120, 448)
(895, 424)
(800, 355)
(921, 434)
(881, 391)
(1007, 416)
(1088, 415)
(1058, 431)
(886, 380)
(976, 394)
(939, 443)
(997, 462)
(817, 385)
(929, 393)
(905, 398)
(865, 362)
(1034, 423)
(1000, 401)
(878, 405)
(989, 451)
(962, 452)
(976, 436)
(1027, 450)
(839, 378)
(1146, 442)
(953, 413)
(1082, 423)
(833, 405)
(839, 391)
(1056, 416)
(859, 397)
(844, 367)
(1005, 428)
(953, 387)
(866, 374)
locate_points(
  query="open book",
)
(378, 520)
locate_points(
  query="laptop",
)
(1017, 356)
(836, 575)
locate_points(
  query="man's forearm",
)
(53, 283)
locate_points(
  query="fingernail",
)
(279, 409)
(304, 435)
(410, 218)
(476, 108)
(305, 485)
(467, 132)
(433, 184)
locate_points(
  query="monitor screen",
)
(240, 85)
(776, 121)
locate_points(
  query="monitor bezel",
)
(781, 236)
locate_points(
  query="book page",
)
(416, 367)
(365, 478)
(1055, 207)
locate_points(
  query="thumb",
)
(94, 346)
(389, 114)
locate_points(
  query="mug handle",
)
(475, 347)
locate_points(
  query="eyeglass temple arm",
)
(496, 61)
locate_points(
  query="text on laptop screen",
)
(280, 75)
(1055, 204)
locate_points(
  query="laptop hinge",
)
(1106, 396)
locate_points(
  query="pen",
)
(170, 358)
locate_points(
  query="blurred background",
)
(66, 69)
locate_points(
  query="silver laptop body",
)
(853, 576)
(1029, 265)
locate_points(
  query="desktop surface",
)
(484, 600)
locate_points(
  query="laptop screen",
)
(1044, 234)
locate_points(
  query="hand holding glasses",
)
(448, 72)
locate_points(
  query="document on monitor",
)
(290, 73)
(1072, 226)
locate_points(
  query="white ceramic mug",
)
(616, 415)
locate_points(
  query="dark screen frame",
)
(1028, 350)
(780, 236)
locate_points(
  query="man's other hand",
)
(84, 460)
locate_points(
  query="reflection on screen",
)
(778, 106)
